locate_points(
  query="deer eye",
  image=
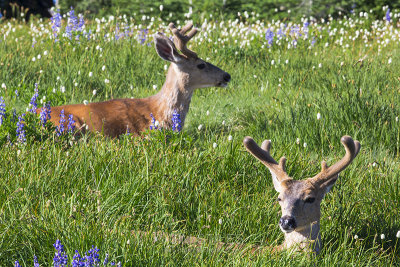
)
(279, 199)
(309, 200)
(201, 66)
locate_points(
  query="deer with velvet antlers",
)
(119, 116)
(300, 199)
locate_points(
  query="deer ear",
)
(166, 49)
(326, 186)
(277, 184)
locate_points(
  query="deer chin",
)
(288, 231)
(222, 84)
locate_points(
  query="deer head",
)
(300, 199)
(194, 72)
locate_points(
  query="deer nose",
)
(287, 223)
(227, 77)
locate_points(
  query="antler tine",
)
(352, 148)
(181, 39)
(262, 154)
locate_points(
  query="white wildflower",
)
(230, 138)
(200, 127)
(90, 74)
(62, 89)
(106, 81)
(398, 234)
(355, 237)
(94, 92)
(156, 123)
(103, 68)
(318, 116)
(161, 7)
(208, 113)
(154, 87)
(215, 145)
(3, 85)
(390, 61)
(305, 145)
(298, 141)
(85, 102)
(382, 236)
(220, 221)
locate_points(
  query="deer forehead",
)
(298, 188)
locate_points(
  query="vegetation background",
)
(202, 182)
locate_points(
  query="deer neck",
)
(174, 96)
(306, 238)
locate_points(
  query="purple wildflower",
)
(176, 122)
(153, 125)
(2, 110)
(61, 127)
(143, 35)
(16, 93)
(388, 18)
(71, 124)
(60, 258)
(77, 260)
(21, 137)
(269, 36)
(280, 34)
(105, 262)
(35, 261)
(33, 99)
(17, 264)
(45, 114)
(92, 257)
(56, 21)
(313, 41)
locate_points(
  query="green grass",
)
(97, 191)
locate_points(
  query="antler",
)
(352, 149)
(262, 154)
(181, 39)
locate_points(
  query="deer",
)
(186, 73)
(299, 200)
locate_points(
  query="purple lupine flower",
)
(80, 24)
(35, 261)
(153, 125)
(92, 257)
(60, 257)
(21, 137)
(61, 127)
(269, 36)
(143, 35)
(16, 93)
(105, 262)
(2, 110)
(77, 260)
(17, 264)
(117, 32)
(176, 122)
(313, 41)
(45, 114)
(388, 18)
(33, 99)
(71, 124)
(305, 28)
(280, 34)
(56, 24)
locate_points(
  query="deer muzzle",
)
(287, 224)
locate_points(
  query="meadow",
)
(302, 84)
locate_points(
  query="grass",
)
(97, 191)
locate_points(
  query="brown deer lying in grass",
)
(299, 200)
(186, 73)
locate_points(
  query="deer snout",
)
(287, 223)
(227, 77)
